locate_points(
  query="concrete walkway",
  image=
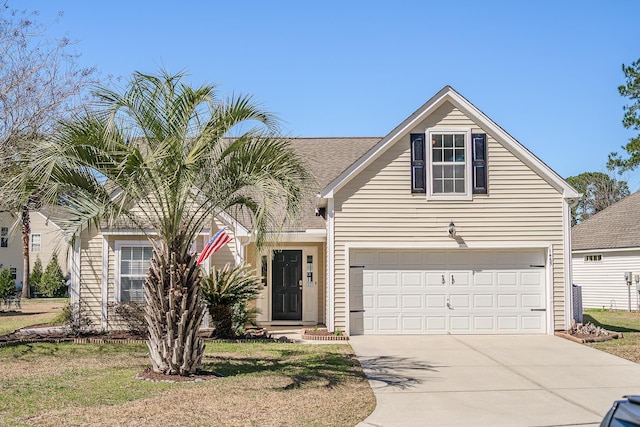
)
(490, 380)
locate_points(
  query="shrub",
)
(227, 290)
(75, 317)
(36, 274)
(132, 315)
(7, 284)
(53, 283)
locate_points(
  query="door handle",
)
(453, 281)
(443, 281)
(449, 305)
(538, 309)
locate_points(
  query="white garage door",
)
(439, 292)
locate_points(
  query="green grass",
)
(263, 384)
(34, 311)
(626, 322)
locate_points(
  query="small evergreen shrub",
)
(53, 283)
(36, 275)
(7, 284)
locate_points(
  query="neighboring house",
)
(605, 247)
(468, 233)
(45, 239)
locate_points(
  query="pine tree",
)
(52, 283)
(36, 275)
(7, 284)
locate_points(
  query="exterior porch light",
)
(452, 230)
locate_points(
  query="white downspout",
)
(330, 311)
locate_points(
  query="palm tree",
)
(161, 156)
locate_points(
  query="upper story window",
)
(453, 167)
(14, 272)
(133, 266)
(36, 242)
(4, 237)
(593, 258)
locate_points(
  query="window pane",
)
(437, 155)
(459, 185)
(131, 289)
(436, 140)
(459, 140)
(459, 171)
(437, 171)
(448, 186)
(448, 155)
(148, 254)
(125, 253)
(437, 186)
(448, 171)
(136, 252)
(448, 140)
(459, 155)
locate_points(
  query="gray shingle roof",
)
(618, 226)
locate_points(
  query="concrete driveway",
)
(454, 380)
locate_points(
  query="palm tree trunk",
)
(174, 311)
(26, 232)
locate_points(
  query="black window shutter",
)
(418, 164)
(479, 147)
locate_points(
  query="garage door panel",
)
(460, 301)
(435, 278)
(482, 278)
(387, 301)
(412, 324)
(507, 301)
(531, 301)
(387, 279)
(436, 301)
(484, 323)
(410, 301)
(507, 323)
(407, 291)
(436, 324)
(411, 279)
(507, 278)
(532, 278)
(388, 324)
(484, 301)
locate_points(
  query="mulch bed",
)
(149, 375)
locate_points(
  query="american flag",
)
(218, 240)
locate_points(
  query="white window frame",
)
(14, 273)
(36, 247)
(468, 179)
(119, 244)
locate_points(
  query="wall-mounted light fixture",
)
(452, 229)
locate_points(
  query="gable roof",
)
(448, 94)
(617, 226)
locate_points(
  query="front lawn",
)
(619, 321)
(264, 384)
(34, 311)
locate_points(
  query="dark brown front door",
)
(286, 281)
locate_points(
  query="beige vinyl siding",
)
(52, 242)
(377, 206)
(91, 275)
(602, 282)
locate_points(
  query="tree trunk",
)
(222, 319)
(174, 311)
(26, 232)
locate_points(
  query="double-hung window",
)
(36, 242)
(132, 268)
(4, 237)
(448, 164)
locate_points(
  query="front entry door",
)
(286, 281)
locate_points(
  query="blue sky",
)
(546, 71)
